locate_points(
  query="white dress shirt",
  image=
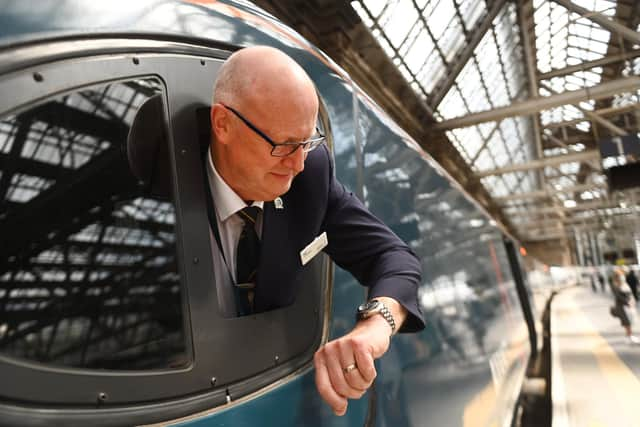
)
(227, 203)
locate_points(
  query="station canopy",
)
(515, 99)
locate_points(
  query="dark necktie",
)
(247, 257)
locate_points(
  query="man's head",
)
(275, 95)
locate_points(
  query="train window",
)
(88, 268)
(101, 188)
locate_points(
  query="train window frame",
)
(210, 381)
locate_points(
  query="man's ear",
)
(220, 124)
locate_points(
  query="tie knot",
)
(249, 214)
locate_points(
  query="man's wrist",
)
(376, 308)
(376, 322)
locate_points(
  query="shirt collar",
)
(226, 201)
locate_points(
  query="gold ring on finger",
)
(349, 368)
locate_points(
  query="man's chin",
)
(274, 195)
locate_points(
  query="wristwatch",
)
(373, 307)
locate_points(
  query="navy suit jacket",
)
(357, 241)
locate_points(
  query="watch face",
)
(368, 306)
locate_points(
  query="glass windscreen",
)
(88, 266)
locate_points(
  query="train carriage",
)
(108, 309)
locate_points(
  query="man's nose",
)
(295, 161)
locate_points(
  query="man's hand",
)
(344, 366)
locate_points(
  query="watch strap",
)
(384, 311)
(380, 309)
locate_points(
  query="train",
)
(108, 310)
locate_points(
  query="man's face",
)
(251, 170)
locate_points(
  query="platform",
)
(595, 370)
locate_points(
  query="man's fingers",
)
(345, 369)
(337, 374)
(353, 377)
(366, 367)
(337, 403)
(355, 380)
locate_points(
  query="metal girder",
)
(543, 237)
(603, 21)
(530, 106)
(582, 156)
(550, 192)
(155, 270)
(557, 142)
(534, 232)
(604, 122)
(32, 167)
(570, 231)
(10, 167)
(442, 88)
(545, 223)
(611, 59)
(79, 192)
(472, 161)
(551, 221)
(573, 221)
(62, 115)
(556, 209)
(533, 211)
(594, 117)
(525, 16)
(566, 233)
(600, 221)
(601, 112)
(562, 144)
(568, 137)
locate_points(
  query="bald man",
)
(267, 154)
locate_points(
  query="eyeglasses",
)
(282, 149)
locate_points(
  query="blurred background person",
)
(632, 281)
(602, 281)
(624, 304)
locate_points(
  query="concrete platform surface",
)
(595, 369)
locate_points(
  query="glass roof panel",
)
(484, 161)
(493, 77)
(564, 38)
(495, 185)
(25, 187)
(425, 39)
(468, 141)
(424, 35)
(471, 11)
(630, 69)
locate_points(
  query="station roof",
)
(512, 98)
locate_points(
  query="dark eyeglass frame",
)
(288, 147)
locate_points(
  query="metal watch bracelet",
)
(384, 311)
(375, 306)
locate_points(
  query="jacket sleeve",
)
(363, 245)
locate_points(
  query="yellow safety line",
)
(478, 412)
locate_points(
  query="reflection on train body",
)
(89, 273)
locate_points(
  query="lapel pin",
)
(278, 203)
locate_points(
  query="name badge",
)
(313, 248)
